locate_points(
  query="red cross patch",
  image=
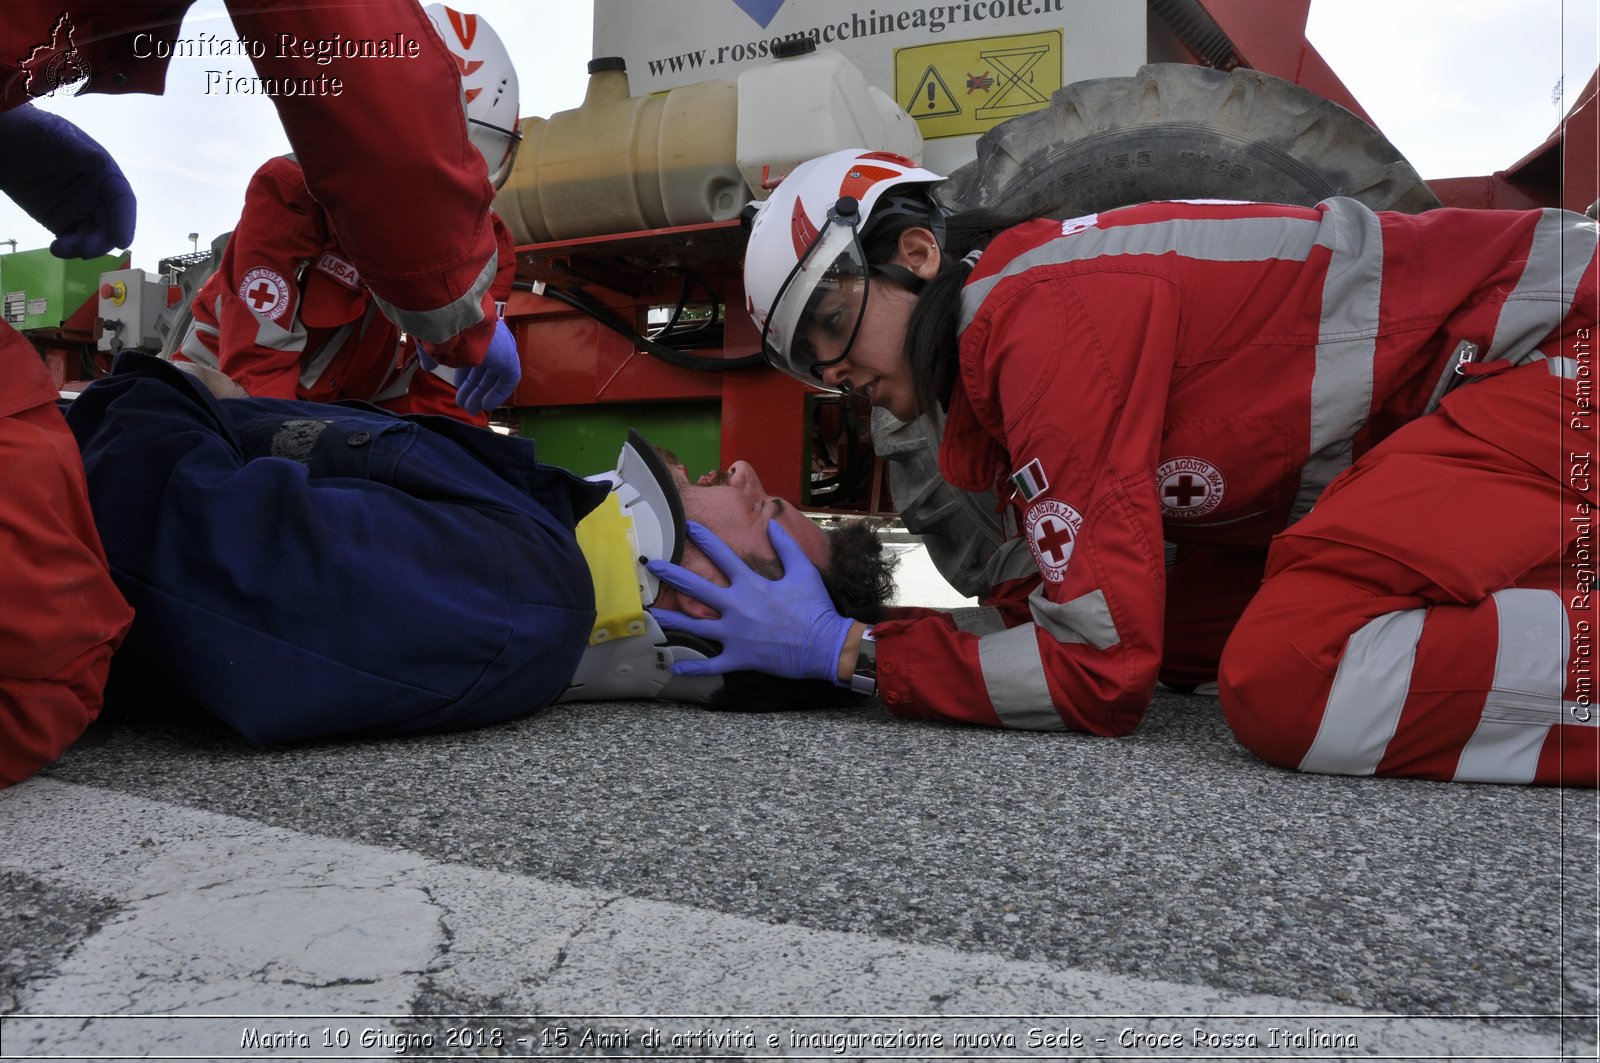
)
(266, 292)
(1189, 487)
(1052, 533)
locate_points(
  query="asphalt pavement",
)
(646, 880)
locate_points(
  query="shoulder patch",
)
(340, 270)
(1189, 487)
(1052, 528)
(1030, 481)
(266, 292)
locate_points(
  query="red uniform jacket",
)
(288, 316)
(60, 615)
(431, 270)
(1195, 374)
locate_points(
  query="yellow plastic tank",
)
(620, 163)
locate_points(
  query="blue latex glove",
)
(489, 383)
(786, 627)
(66, 182)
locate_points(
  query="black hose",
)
(657, 350)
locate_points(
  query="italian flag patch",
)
(1030, 481)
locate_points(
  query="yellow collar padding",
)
(607, 539)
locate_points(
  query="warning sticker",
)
(954, 88)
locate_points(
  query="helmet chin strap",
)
(633, 660)
(901, 276)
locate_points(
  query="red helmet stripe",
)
(888, 156)
(466, 26)
(801, 229)
(858, 179)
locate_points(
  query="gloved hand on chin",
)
(786, 627)
(489, 383)
(66, 182)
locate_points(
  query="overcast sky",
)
(1463, 88)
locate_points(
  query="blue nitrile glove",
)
(489, 383)
(66, 182)
(786, 627)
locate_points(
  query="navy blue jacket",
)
(302, 569)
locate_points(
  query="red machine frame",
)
(570, 359)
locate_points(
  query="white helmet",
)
(488, 86)
(805, 246)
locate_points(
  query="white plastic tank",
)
(808, 103)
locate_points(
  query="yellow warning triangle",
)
(933, 98)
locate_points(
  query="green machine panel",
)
(39, 290)
(586, 439)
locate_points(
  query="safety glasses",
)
(820, 305)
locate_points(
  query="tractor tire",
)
(1171, 131)
(172, 324)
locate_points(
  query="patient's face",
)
(733, 503)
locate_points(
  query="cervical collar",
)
(629, 656)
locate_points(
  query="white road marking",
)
(224, 919)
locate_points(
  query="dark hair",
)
(931, 334)
(860, 580)
(931, 341)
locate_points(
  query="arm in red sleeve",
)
(55, 652)
(388, 157)
(1075, 372)
(253, 299)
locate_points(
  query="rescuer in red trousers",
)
(1407, 399)
(288, 316)
(60, 615)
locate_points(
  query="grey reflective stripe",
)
(1368, 692)
(196, 351)
(437, 326)
(1347, 345)
(1013, 673)
(1086, 619)
(977, 620)
(1204, 239)
(398, 386)
(1525, 700)
(1563, 246)
(1562, 367)
(1011, 560)
(317, 364)
(275, 337)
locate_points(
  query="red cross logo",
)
(1054, 536)
(262, 295)
(1053, 529)
(1185, 490)
(1189, 487)
(266, 292)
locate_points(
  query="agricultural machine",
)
(630, 307)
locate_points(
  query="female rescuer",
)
(1200, 374)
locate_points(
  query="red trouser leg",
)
(60, 614)
(1433, 615)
